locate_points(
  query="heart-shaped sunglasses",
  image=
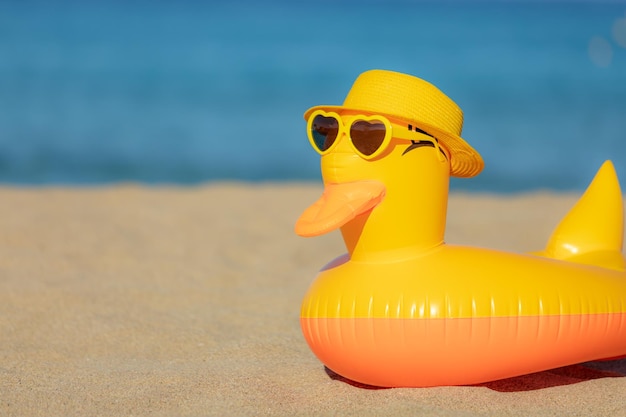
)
(369, 135)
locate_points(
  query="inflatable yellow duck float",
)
(404, 309)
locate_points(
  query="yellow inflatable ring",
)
(404, 309)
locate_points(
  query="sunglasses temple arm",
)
(440, 153)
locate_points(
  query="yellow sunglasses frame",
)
(399, 132)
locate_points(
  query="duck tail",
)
(592, 232)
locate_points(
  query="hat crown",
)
(406, 97)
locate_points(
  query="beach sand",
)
(132, 300)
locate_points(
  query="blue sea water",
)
(102, 91)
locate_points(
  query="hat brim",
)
(465, 162)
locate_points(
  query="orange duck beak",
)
(340, 203)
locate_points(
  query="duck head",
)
(387, 155)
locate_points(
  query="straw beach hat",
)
(413, 100)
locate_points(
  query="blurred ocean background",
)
(186, 92)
